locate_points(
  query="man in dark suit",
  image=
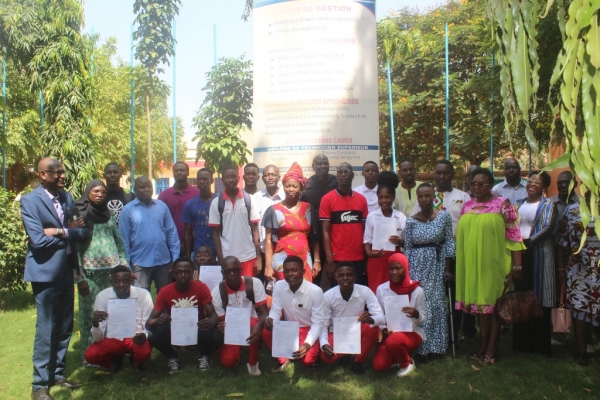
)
(52, 268)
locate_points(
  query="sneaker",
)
(173, 365)
(116, 364)
(555, 342)
(253, 369)
(405, 371)
(203, 363)
(357, 368)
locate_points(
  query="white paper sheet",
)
(383, 229)
(121, 322)
(184, 326)
(397, 321)
(286, 338)
(346, 335)
(237, 326)
(211, 275)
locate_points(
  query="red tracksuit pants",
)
(103, 353)
(396, 348)
(368, 338)
(229, 354)
(312, 355)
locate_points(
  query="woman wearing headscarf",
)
(395, 347)
(288, 229)
(98, 255)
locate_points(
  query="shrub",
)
(13, 246)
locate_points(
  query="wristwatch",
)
(59, 232)
(517, 267)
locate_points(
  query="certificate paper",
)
(237, 326)
(346, 335)
(121, 322)
(396, 320)
(184, 326)
(211, 275)
(285, 338)
(383, 229)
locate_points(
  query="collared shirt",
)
(370, 195)
(305, 307)
(406, 199)
(196, 212)
(417, 301)
(238, 298)
(236, 238)
(561, 206)
(377, 216)
(513, 194)
(149, 233)
(61, 216)
(335, 307)
(143, 308)
(263, 202)
(452, 202)
(346, 214)
(175, 200)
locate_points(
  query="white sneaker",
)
(591, 349)
(173, 365)
(405, 371)
(203, 363)
(253, 369)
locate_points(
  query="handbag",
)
(561, 317)
(514, 307)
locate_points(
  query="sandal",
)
(493, 360)
(477, 356)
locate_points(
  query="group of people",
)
(304, 250)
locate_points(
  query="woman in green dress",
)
(488, 257)
(98, 255)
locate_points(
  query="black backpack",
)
(221, 208)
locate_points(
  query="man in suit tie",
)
(52, 268)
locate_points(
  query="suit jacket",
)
(47, 259)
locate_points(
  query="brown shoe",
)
(68, 384)
(41, 394)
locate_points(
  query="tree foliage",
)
(12, 243)
(43, 40)
(224, 112)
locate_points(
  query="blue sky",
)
(195, 50)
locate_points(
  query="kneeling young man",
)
(184, 293)
(109, 352)
(241, 292)
(348, 300)
(296, 299)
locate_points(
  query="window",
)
(161, 184)
(193, 182)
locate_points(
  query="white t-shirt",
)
(527, 213)
(238, 299)
(370, 195)
(236, 239)
(263, 202)
(453, 203)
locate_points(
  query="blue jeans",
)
(53, 328)
(160, 274)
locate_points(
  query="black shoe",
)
(116, 364)
(357, 368)
(132, 362)
(64, 382)
(581, 359)
(41, 394)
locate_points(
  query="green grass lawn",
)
(516, 375)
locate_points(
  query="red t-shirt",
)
(346, 213)
(198, 290)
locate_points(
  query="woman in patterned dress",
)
(488, 242)
(98, 255)
(429, 247)
(582, 275)
(288, 229)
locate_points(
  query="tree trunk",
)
(149, 135)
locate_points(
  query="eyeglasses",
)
(231, 271)
(533, 181)
(57, 173)
(322, 164)
(344, 171)
(479, 184)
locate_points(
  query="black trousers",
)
(208, 341)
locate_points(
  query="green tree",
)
(224, 112)
(43, 39)
(13, 246)
(154, 45)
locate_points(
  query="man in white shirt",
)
(513, 187)
(369, 188)
(349, 300)
(452, 201)
(109, 352)
(235, 292)
(406, 193)
(296, 299)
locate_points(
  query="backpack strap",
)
(250, 289)
(221, 208)
(248, 204)
(224, 296)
